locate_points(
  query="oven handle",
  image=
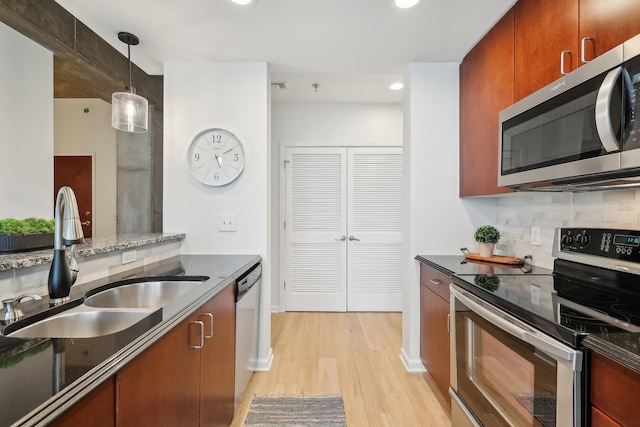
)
(516, 328)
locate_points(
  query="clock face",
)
(216, 157)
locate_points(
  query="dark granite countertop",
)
(43, 377)
(459, 266)
(622, 347)
(11, 261)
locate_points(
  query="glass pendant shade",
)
(129, 112)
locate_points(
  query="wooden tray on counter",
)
(496, 259)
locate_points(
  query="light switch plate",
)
(129, 256)
(227, 222)
(535, 236)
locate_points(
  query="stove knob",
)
(582, 239)
(567, 239)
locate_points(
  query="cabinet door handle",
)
(563, 54)
(210, 316)
(449, 322)
(583, 45)
(341, 239)
(199, 322)
(435, 281)
(351, 238)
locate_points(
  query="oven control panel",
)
(603, 242)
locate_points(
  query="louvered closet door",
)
(374, 229)
(316, 192)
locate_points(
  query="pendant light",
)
(129, 112)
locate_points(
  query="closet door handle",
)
(341, 239)
(351, 238)
(563, 54)
(583, 45)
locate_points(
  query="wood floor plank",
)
(355, 355)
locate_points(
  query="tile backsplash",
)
(518, 212)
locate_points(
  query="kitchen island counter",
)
(42, 378)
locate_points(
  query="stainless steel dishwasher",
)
(247, 321)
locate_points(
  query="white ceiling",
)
(352, 48)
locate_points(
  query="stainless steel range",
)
(517, 358)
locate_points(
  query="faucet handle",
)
(12, 306)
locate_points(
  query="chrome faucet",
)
(68, 231)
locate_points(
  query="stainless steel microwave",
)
(579, 130)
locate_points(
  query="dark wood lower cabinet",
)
(600, 419)
(217, 391)
(614, 396)
(161, 387)
(98, 409)
(174, 384)
(434, 333)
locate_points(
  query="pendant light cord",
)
(129, 58)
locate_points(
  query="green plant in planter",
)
(12, 226)
(487, 234)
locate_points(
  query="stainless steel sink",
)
(149, 295)
(82, 322)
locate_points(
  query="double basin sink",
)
(108, 311)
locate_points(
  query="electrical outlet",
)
(535, 236)
(129, 256)
(227, 222)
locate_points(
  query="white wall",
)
(322, 125)
(437, 221)
(26, 120)
(77, 132)
(337, 124)
(202, 95)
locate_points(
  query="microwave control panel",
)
(602, 242)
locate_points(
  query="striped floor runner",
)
(299, 411)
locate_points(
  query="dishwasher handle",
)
(246, 282)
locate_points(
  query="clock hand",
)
(219, 159)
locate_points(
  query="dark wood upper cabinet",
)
(486, 88)
(583, 29)
(543, 30)
(607, 23)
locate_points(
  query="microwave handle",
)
(603, 111)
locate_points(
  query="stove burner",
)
(630, 311)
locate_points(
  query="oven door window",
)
(504, 381)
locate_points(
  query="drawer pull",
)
(201, 325)
(435, 282)
(210, 316)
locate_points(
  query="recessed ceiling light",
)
(243, 2)
(405, 4)
(396, 86)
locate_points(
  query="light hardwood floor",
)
(355, 355)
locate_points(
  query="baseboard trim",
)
(411, 365)
(264, 364)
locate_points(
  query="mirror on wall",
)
(36, 127)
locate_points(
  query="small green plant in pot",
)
(487, 236)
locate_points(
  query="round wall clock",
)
(216, 157)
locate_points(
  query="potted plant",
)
(18, 235)
(487, 236)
